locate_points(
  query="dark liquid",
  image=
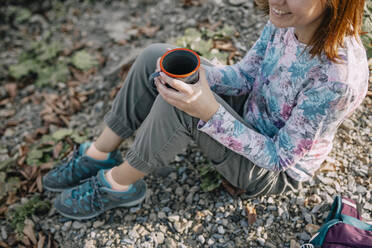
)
(180, 62)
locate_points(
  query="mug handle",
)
(153, 76)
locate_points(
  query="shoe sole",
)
(129, 204)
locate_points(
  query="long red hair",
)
(342, 18)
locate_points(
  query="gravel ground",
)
(176, 212)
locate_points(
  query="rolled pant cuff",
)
(138, 163)
(116, 125)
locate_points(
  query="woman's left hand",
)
(194, 99)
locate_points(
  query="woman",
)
(266, 123)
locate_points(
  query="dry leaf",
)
(28, 230)
(2, 244)
(148, 31)
(224, 45)
(50, 118)
(327, 167)
(7, 113)
(40, 243)
(39, 184)
(11, 88)
(233, 191)
(250, 214)
(57, 149)
(47, 166)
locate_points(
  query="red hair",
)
(342, 18)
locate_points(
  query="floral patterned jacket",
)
(295, 103)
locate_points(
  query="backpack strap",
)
(356, 223)
(318, 238)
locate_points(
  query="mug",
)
(179, 63)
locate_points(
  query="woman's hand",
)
(194, 99)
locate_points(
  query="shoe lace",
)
(69, 165)
(89, 192)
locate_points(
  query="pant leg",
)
(134, 100)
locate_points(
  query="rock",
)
(221, 230)
(347, 124)
(98, 223)
(210, 241)
(174, 218)
(66, 226)
(368, 206)
(201, 239)
(170, 243)
(294, 244)
(77, 225)
(236, 2)
(159, 238)
(4, 234)
(304, 236)
(161, 215)
(312, 228)
(261, 241)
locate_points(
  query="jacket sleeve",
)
(319, 111)
(238, 79)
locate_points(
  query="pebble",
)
(77, 225)
(66, 226)
(159, 237)
(4, 234)
(169, 219)
(201, 239)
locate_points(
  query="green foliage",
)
(210, 178)
(7, 184)
(83, 60)
(367, 27)
(19, 214)
(43, 151)
(202, 42)
(41, 59)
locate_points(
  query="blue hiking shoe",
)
(71, 172)
(96, 196)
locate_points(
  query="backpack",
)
(343, 228)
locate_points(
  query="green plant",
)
(19, 214)
(210, 178)
(202, 41)
(42, 152)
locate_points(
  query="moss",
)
(34, 206)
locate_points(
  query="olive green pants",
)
(164, 131)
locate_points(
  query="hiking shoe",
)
(70, 172)
(96, 196)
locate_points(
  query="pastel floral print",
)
(294, 105)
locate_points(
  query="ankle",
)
(93, 152)
(113, 183)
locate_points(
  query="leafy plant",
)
(19, 214)
(210, 178)
(202, 42)
(45, 150)
(41, 59)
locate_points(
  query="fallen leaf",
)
(148, 31)
(7, 113)
(11, 88)
(233, 191)
(28, 230)
(40, 243)
(2, 244)
(57, 149)
(39, 183)
(224, 45)
(50, 118)
(47, 166)
(250, 214)
(327, 167)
